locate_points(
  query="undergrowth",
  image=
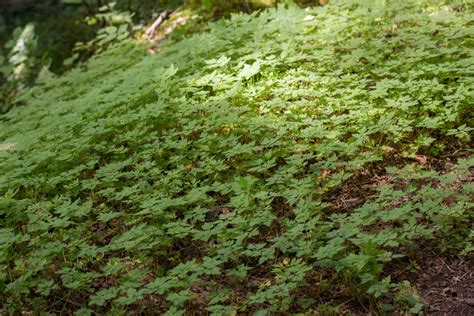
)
(200, 179)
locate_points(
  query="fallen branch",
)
(161, 18)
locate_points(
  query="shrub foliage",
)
(205, 177)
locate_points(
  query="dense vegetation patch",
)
(209, 177)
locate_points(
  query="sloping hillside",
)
(291, 161)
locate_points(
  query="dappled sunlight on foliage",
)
(202, 178)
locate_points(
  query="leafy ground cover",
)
(287, 161)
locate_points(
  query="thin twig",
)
(444, 262)
(68, 301)
(343, 303)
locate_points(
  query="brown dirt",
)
(444, 284)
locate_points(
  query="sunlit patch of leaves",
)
(195, 179)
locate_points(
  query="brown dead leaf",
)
(421, 159)
(325, 173)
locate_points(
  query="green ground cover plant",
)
(204, 178)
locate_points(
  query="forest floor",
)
(289, 161)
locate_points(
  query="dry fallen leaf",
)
(421, 159)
